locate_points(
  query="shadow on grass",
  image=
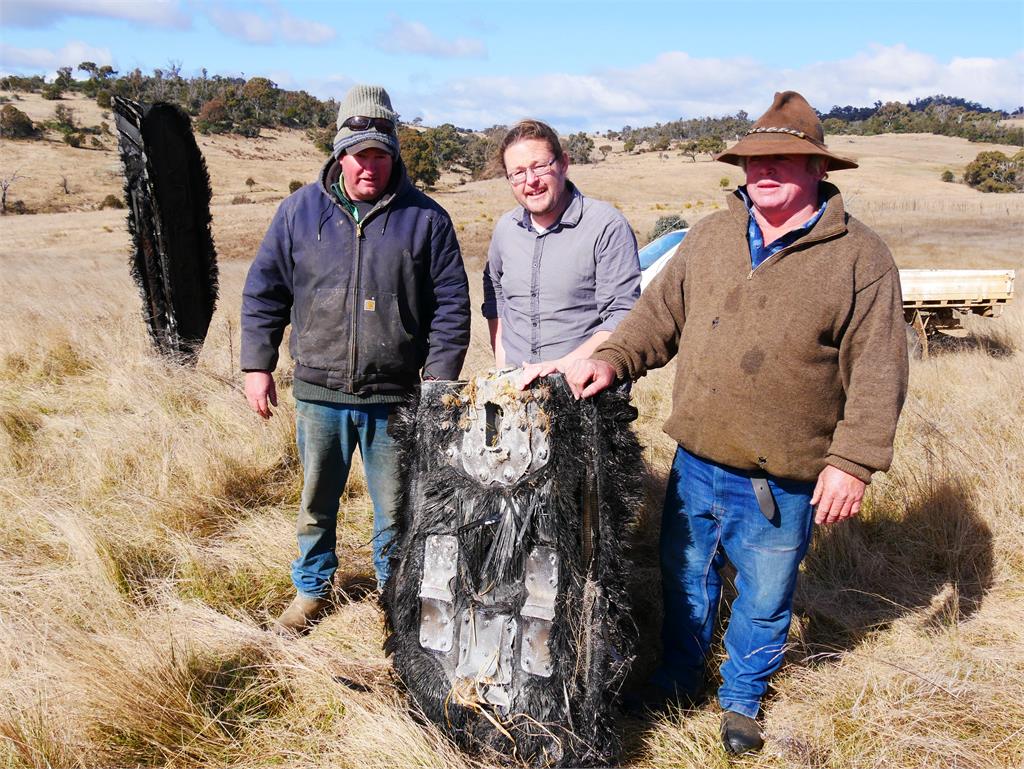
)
(923, 550)
(236, 492)
(644, 579)
(926, 550)
(993, 346)
(352, 585)
(927, 547)
(644, 587)
(188, 707)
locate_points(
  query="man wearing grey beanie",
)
(367, 271)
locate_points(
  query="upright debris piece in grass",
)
(167, 189)
(507, 606)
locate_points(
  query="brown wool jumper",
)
(786, 368)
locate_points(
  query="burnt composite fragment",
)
(167, 189)
(507, 607)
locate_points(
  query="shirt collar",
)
(833, 221)
(823, 203)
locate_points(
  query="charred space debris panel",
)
(507, 607)
(167, 189)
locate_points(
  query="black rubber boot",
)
(740, 733)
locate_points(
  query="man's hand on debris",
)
(534, 371)
(589, 377)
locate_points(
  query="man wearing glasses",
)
(562, 269)
(368, 272)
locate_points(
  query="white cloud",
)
(416, 38)
(989, 81)
(333, 86)
(896, 73)
(597, 101)
(277, 25)
(250, 27)
(675, 84)
(36, 59)
(296, 30)
(45, 13)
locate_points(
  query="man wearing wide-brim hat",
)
(784, 314)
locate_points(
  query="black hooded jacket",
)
(373, 305)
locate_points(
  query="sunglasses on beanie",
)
(363, 123)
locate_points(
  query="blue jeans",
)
(710, 515)
(327, 435)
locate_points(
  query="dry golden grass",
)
(147, 515)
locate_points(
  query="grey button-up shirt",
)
(555, 290)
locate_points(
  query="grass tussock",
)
(179, 705)
(683, 739)
(240, 573)
(18, 428)
(148, 524)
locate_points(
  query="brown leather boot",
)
(740, 733)
(301, 615)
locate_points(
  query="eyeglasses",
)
(518, 177)
(362, 123)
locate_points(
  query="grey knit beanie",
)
(367, 101)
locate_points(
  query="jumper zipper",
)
(782, 251)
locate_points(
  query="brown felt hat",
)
(789, 127)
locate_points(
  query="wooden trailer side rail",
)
(939, 299)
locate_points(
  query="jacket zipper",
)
(355, 310)
(353, 336)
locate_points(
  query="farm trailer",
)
(937, 300)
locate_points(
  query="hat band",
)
(788, 131)
(778, 130)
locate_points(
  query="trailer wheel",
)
(916, 347)
(917, 336)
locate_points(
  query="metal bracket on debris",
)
(437, 602)
(485, 647)
(539, 610)
(502, 440)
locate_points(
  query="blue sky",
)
(580, 65)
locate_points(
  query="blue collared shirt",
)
(758, 250)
